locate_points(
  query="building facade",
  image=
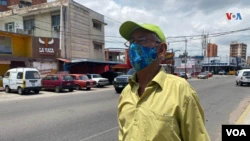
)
(238, 50)
(9, 4)
(248, 60)
(80, 30)
(211, 50)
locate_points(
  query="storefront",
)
(45, 51)
(216, 64)
(20, 50)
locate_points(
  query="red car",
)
(58, 82)
(82, 81)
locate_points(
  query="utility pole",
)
(185, 55)
(172, 71)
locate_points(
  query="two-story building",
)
(80, 32)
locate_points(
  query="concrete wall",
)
(18, 22)
(80, 31)
(43, 24)
(96, 35)
(78, 41)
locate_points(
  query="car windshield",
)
(246, 73)
(83, 77)
(202, 73)
(97, 76)
(131, 72)
(32, 75)
(67, 78)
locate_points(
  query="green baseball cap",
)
(128, 27)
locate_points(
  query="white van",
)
(22, 80)
(243, 77)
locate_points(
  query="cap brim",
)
(127, 28)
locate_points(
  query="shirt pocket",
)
(160, 126)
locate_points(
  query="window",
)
(83, 77)
(3, 2)
(183, 61)
(20, 75)
(55, 77)
(74, 77)
(55, 20)
(98, 47)
(9, 27)
(32, 75)
(7, 75)
(247, 73)
(97, 76)
(48, 77)
(67, 78)
(89, 76)
(29, 24)
(97, 25)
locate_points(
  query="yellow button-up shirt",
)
(168, 110)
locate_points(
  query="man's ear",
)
(163, 49)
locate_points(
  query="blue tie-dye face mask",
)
(140, 57)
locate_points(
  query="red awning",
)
(121, 66)
(64, 60)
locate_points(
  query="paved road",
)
(91, 116)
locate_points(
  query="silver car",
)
(203, 75)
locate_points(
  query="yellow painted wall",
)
(3, 69)
(21, 45)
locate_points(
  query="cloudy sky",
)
(177, 18)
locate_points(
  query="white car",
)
(99, 79)
(243, 77)
(22, 80)
(189, 76)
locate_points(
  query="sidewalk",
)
(245, 117)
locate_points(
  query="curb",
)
(242, 118)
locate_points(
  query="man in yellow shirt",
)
(156, 106)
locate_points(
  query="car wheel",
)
(77, 87)
(20, 90)
(88, 88)
(71, 90)
(7, 89)
(57, 89)
(237, 83)
(36, 91)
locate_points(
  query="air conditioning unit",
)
(56, 28)
(28, 32)
(20, 31)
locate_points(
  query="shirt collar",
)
(160, 78)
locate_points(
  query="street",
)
(92, 116)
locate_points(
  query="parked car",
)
(110, 75)
(99, 79)
(243, 77)
(222, 72)
(189, 76)
(22, 80)
(121, 81)
(203, 75)
(58, 82)
(194, 74)
(83, 82)
(181, 74)
(210, 74)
